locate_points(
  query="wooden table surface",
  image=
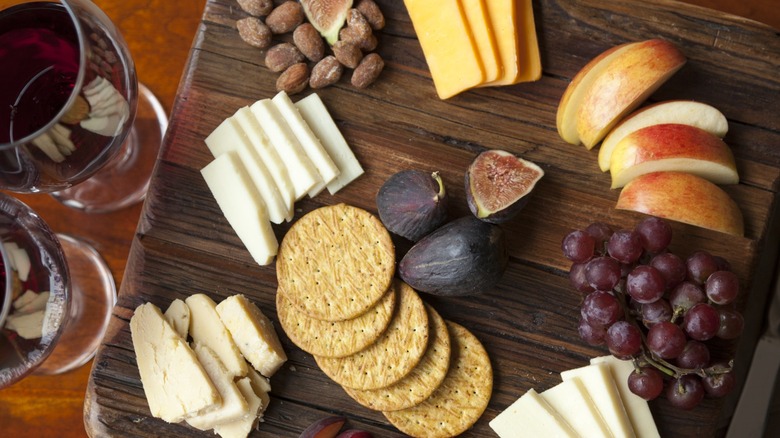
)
(160, 35)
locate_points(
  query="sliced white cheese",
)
(254, 334)
(316, 115)
(637, 408)
(174, 381)
(26, 325)
(261, 386)
(229, 136)
(178, 316)
(268, 155)
(303, 174)
(530, 416)
(9, 253)
(234, 406)
(326, 168)
(571, 400)
(597, 379)
(38, 303)
(207, 330)
(21, 262)
(240, 428)
(24, 299)
(242, 206)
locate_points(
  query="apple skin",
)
(623, 85)
(672, 147)
(685, 198)
(686, 112)
(566, 117)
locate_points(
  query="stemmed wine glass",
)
(69, 97)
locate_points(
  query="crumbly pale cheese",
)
(234, 406)
(570, 399)
(242, 206)
(240, 428)
(174, 381)
(253, 333)
(604, 393)
(636, 407)
(530, 416)
(178, 316)
(207, 330)
(316, 115)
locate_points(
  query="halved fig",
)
(327, 427)
(412, 203)
(464, 257)
(498, 184)
(327, 16)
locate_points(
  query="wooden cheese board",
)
(528, 323)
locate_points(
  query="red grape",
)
(731, 323)
(601, 233)
(655, 312)
(601, 309)
(722, 287)
(646, 382)
(590, 334)
(686, 392)
(685, 296)
(666, 339)
(700, 265)
(671, 266)
(655, 233)
(603, 273)
(577, 278)
(625, 246)
(701, 322)
(623, 339)
(645, 284)
(694, 355)
(578, 246)
(719, 383)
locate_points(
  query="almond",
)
(368, 70)
(285, 17)
(366, 42)
(372, 13)
(294, 79)
(347, 53)
(254, 32)
(258, 8)
(309, 42)
(281, 56)
(358, 23)
(326, 72)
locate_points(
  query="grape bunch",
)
(655, 308)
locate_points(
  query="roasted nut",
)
(366, 42)
(347, 53)
(285, 17)
(258, 8)
(372, 13)
(326, 72)
(254, 32)
(368, 70)
(358, 23)
(309, 42)
(282, 56)
(294, 79)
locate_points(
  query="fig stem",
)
(442, 191)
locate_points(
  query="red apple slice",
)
(623, 85)
(566, 118)
(686, 112)
(672, 147)
(685, 198)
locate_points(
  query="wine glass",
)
(40, 325)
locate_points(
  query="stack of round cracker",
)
(374, 335)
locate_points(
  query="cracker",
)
(419, 384)
(393, 355)
(336, 338)
(336, 262)
(462, 397)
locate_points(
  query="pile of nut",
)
(353, 50)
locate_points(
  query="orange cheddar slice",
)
(482, 29)
(503, 19)
(528, 49)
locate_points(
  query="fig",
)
(464, 257)
(412, 203)
(327, 16)
(498, 184)
(327, 427)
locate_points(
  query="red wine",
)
(41, 42)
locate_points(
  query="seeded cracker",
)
(460, 400)
(339, 338)
(393, 355)
(336, 262)
(419, 384)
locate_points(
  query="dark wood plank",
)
(528, 323)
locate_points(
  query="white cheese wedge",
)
(229, 136)
(530, 416)
(26, 325)
(602, 389)
(254, 334)
(243, 426)
(303, 173)
(268, 155)
(637, 408)
(571, 400)
(174, 381)
(242, 206)
(316, 115)
(38, 303)
(207, 330)
(326, 168)
(178, 316)
(234, 406)
(262, 387)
